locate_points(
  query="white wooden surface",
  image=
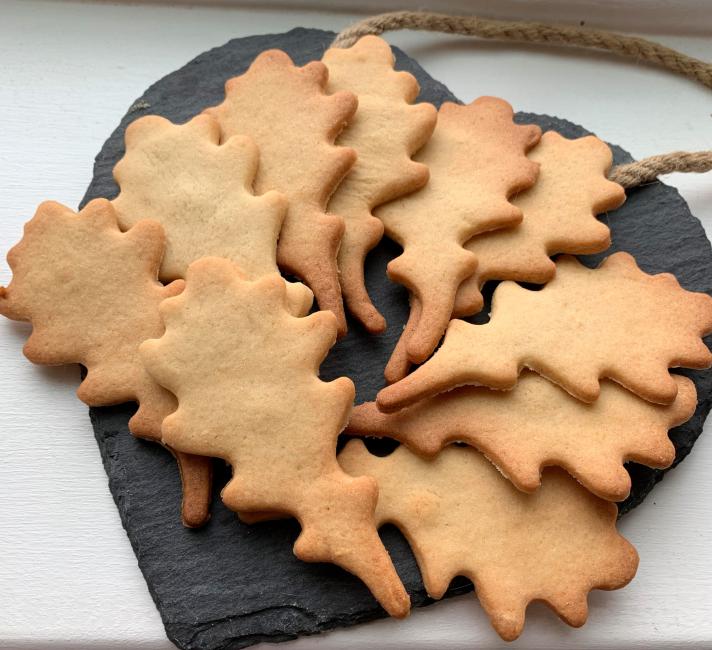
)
(68, 577)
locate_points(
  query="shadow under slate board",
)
(231, 585)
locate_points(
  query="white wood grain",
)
(68, 576)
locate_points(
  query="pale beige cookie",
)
(537, 424)
(91, 295)
(477, 161)
(559, 217)
(385, 132)
(201, 193)
(586, 324)
(461, 517)
(285, 110)
(245, 373)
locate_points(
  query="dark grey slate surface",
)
(230, 585)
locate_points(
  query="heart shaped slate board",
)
(230, 585)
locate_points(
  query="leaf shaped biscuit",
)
(385, 132)
(477, 160)
(201, 193)
(559, 217)
(285, 110)
(461, 517)
(537, 424)
(245, 373)
(586, 324)
(91, 295)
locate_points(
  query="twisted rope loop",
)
(648, 169)
(640, 49)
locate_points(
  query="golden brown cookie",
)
(615, 322)
(537, 424)
(201, 193)
(91, 295)
(285, 110)
(559, 217)
(245, 373)
(385, 132)
(477, 161)
(461, 517)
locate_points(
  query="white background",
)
(68, 72)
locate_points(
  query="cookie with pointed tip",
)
(613, 322)
(461, 517)
(245, 373)
(200, 191)
(537, 424)
(286, 111)
(91, 295)
(385, 132)
(477, 161)
(559, 217)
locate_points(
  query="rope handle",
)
(640, 49)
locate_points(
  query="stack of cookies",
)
(513, 434)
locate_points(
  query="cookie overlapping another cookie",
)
(559, 216)
(200, 191)
(461, 517)
(245, 373)
(477, 161)
(385, 132)
(537, 424)
(613, 322)
(287, 113)
(91, 295)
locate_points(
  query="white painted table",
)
(68, 577)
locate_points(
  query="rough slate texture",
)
(231, 585)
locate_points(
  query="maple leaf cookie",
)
(91, 295)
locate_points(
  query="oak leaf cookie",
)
(245, 373)
(477, 161)
(537, 424)
(461, 517)
(586, 324)
(559, 217)
(286, 111)
(385, 132)
(201, 193)
(91, 295)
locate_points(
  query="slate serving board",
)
(230, 585)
